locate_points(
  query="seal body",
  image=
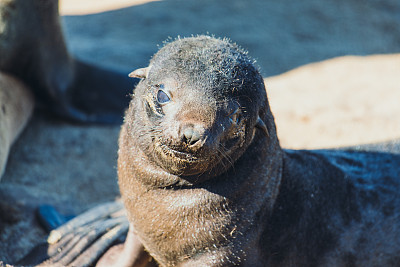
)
(205, 182)
(335, 208)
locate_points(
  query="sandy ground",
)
(323, 101)
(338, 102)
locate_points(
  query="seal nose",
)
(191, 135)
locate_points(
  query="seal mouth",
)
(179, 155)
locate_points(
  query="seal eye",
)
(162, 96)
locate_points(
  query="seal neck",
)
(258, 173)
(263, 163)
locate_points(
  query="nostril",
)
(191, 136)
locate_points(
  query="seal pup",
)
(191, 157)
(205, 182)
(33, 49)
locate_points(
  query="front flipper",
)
(84, 239)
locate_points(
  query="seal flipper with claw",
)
(82, 240)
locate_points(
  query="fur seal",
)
(205, 182)
(33, 49)
(191, 147)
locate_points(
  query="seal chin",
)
(181, 156)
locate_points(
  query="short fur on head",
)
(213, 91)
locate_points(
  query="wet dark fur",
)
(336, 208)
(253, 204)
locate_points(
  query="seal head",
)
(198, 104)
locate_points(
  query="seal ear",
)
(261, 125)
(140, 73)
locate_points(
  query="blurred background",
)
(331, 71)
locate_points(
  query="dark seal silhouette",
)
(33, 49)
(205, 182)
